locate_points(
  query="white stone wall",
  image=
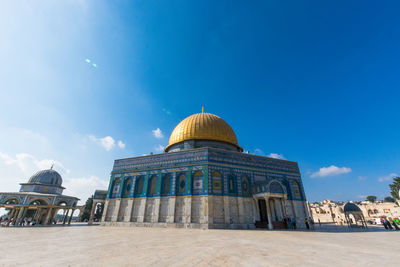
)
(196, 211)
(216, 212)
(122, 210)
(179, 210)
(165, 212)
(110, 209)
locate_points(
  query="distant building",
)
(204, 180)
(333, 212)
(40, 199)
(99, 197)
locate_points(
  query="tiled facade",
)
(202, 188)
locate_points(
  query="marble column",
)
(37, 215)
(93, 210)
(70, 217)
(65, 217)
(105, 210)
(114, 216)
(20, 213)
(49, 211)
(270, 226)
(241, 212)
(171, 210)
(227, 211)
(156, 210)
(283, 202)
(256, 210)
(294, 210)
(128, 213)
(187, 209)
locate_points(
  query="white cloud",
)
(387, 177)
(28, 164)
(362, 178)
(160, 148)
(121, 144)
(83, 187)
(276, 156)
(363, 197)
(259, 152)
(158, 133)
(330, 171)
(107, 142)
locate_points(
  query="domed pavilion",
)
(39, 199)
(354, 215)
(204, 180)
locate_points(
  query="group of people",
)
(394, 224)
(290, 223)
(19, 222)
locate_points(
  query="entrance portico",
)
(271, 210)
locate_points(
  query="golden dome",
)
(203, 126)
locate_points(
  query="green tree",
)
(371, 198)
(88, 209)
(389, 199)
(395, 187)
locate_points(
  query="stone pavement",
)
(81, 245)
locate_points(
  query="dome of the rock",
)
(203, 126)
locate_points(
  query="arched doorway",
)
(262, 207)
(38, 213)
(62, 211)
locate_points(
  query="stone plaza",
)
(82, 245)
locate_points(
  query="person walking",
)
(389, 225)
(307, 224)
(319, 222)
(289, 223)
(384, 223)
(397, 221)
(395, 226)
(294, 223)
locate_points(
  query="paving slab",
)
(81, 245)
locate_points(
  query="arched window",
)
(217, 183)
(11, 201)
(275, 187)
(127, 187)
(245, 186)
(139, 186)
(232, 184)
(166, 185)
(152, 185)
(197, 185)
(296, 189)
(115, 189)
(181, 184)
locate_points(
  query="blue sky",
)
(310, 81)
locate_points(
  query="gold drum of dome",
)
(203, 126)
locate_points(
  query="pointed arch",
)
(139, 186)
(197, 184)
(166, 185)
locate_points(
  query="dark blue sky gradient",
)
(315, 81)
